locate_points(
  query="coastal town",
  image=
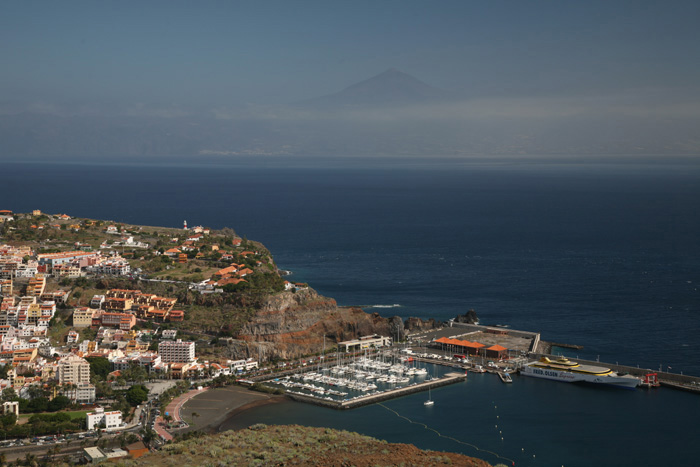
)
(70, 339)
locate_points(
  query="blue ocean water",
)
(531, 422)
(601, 254)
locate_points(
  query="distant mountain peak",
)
(391, 88)
(392, 70)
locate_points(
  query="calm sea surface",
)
(603, 255)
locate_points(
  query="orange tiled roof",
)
(497, 348)
(460, 343)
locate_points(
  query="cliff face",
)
(289, 325)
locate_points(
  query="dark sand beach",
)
(214, 407)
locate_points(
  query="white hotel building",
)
(176, 351)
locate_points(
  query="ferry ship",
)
(562, 369)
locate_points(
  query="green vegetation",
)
(135, 373)
(100, 367)
(43, 424)
(262, 445)
(136, 395)
(222, 380)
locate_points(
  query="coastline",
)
(215, 407)
(245, 408)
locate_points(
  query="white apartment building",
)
(97, 301)
(111, 266)
(10, 407)
(28, 270)
(176, 351)
(244, 365)
(169, 333)
(72, 337)
(73, 369)
(100, 418)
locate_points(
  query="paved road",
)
(156, 388)
(19, 452)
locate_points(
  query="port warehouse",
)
(472, 348)
(484, 341)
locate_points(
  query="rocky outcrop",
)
(468, 318)
(417, 324)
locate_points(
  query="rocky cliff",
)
(289, 325)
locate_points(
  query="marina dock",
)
(449, 378)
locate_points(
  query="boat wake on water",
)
(395, 305)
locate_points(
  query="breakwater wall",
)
(495, 330)
(534, 337)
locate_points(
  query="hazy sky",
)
(227, 53)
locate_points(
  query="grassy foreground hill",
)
(294, 445)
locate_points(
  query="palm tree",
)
(147, 435)
(54, 451)
(29, 459)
